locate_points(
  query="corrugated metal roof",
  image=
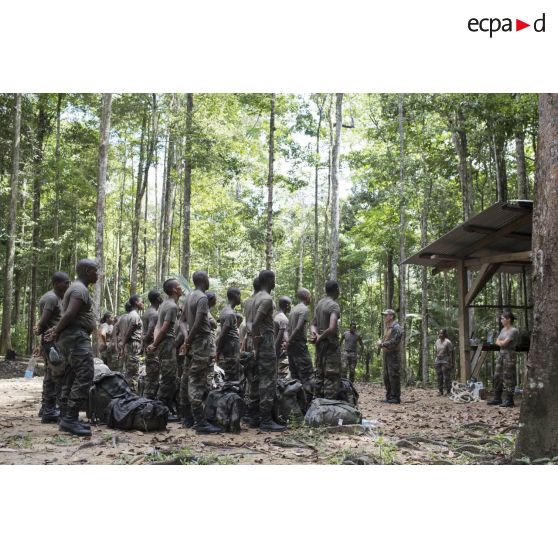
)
(465, 239)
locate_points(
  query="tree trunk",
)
(168, 205)
(460, 143)
(38, 152)
(271, 158)
(499, 147)
(5, 337)
(390, 280)
(538, 421)
(402, 232)
(316, 203)
(424, 284)
(335, 187)
(57, 184)
(187, 186)
(137, 209)
(119, 238)
(522, 183)
(101, 188)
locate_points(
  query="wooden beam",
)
(478, 229)
(463, 321)
(485, 274)
(444, 257)
(500, 233)
(511, 257)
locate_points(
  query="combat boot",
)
(440, 391)
(50, 414)
(509, 401)
(69, 423)
(202, 425)
(267, 424)
(497, 398)
(394, 400)
(187, 420)
(251, 418)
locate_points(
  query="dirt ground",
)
(424, 429)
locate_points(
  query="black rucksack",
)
(106, 387)
(347, 392)
(224, 406)
(290, 401)
(131, 412)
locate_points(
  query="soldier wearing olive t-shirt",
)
(50, 307)
(228, 344)
(325, 335)
(73, 334)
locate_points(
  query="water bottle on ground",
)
(30, 368)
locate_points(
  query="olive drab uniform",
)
(251, 390)
(230, 345)
(114, 345)
(300, 362)
(350, 354)
(132, 348)
(193, 384)
(262, 391)
(328, 355)
(75, 343)
(443, 364)
(280, 325)
(152, 367)
(505, 372)
(392, 362)
(104, 345)
(166, 353)
(52, 380)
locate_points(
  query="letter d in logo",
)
(539, 24)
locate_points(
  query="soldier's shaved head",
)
(257, 285)
(303, 295)
(60, 277)
(169, 285)
(201, 279)
(87, 270)
(285, 303)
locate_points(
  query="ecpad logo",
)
(492, 25)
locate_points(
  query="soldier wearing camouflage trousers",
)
(325, 334)
(390, 345)
(505, 373)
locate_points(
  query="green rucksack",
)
(331, 412)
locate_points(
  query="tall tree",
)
(402, 234)
(335, 187)
(460, 143)
(522, 183)
(315, 255)
(5, 337)
(38, 152)
(270, 160)
(57, 185)
(538, 420)
(106, 103)
(187, 186)
(143, 175)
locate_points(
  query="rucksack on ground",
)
(106, 386)
(347, 392)
(331, 412)
(225, 407)
(289, 401)
(131, 412)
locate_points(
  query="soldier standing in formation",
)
(197, 347)
(325, 335)
(505, 373)
(350, 339)
(228, 343)
(105, 333)
(131, 347)
(280, 325)
(73, 334)
(50, 307)
(443, 362)
(264, 383)
(149, 321)
(392, 362)
(300, 362)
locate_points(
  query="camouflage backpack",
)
(224, 406)
(106, 386)
(131, 412)
(289, 400)
(331, 412)
(347, 392)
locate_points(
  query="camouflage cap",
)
(388, 311)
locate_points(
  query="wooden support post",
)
(463, 319)
(485, 274)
